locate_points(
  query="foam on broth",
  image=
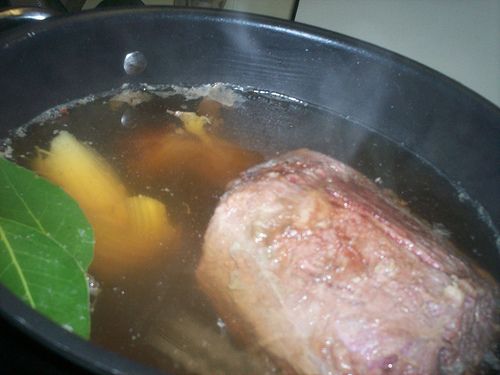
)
(156, 314)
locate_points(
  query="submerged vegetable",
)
(83, 174)
(191, 151)
(45, 247)
(130, 231)
(195, 124)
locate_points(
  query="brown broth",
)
(157, 315)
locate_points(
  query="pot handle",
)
(12, 17)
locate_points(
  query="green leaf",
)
(46, 246)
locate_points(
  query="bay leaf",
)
(46, 246)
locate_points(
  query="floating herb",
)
(46, 246)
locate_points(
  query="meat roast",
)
(311, 262)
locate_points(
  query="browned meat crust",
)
(331, 275)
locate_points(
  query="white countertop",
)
(460, 38)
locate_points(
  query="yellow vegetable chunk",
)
(82, 173)
(194, 124)
(130, 232)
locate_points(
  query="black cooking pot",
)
(58, 60)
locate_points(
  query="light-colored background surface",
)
(460, 38)
(274, 8)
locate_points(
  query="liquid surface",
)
(156, 314)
